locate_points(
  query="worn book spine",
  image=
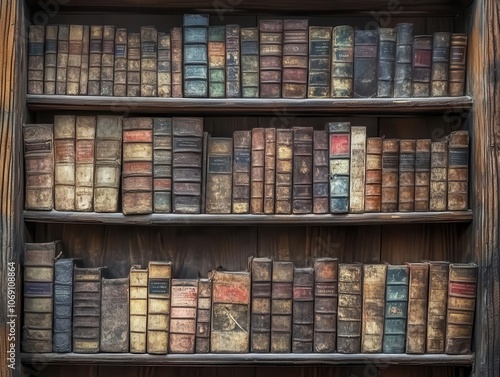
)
(358, 170)
(373, 187)
(458, 62)
(84, 69)
(320, 172)
(303, 310)
(406, 201)
(325, 304)
(439, 176)
(230, 312)
(440, 64)
(249, 62)
(436, 311)
(120, 64)
(162, 165)
(302, 196)
(203, 316)
(390, 175)
(164, 65)
(108, 160)
(187, 165)
(38, 295)
(295, 58)
(219, 175)
(176, 41)
(149, 61)
(62, 58)
(461, 306)
(217, 61)
(365, 63)
(184, 304)
(64, 162)
(138, 319)
(349, 308)
(281, 307)
(271, 56)
(95, 60)
(84, 162)
(386, 62)
(270, 171)
(320, 44)
(242, 153)
(422, 63)
(50, 59)
(342, 61)
(458, 171)
(36, 45)
(396, 309)
(284, 170)
(204, 170)
(257, 171)
(417, 307)
(107, 60)
(195, 55)
(39, 166)
(134, 65)
(137, 171)
(115, 315)
(260, 336)
(404, 53)
(422, 174)
(339, 145)
(233, 66)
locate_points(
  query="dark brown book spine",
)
(242, 143)
(271, 56)
(134, 65)
(403, 67)
(422, 174)
(281, 307)
(436, 311)
(219, 175)
(284, 170)
(260, 339)
(257, 171)
(84, 71)
(406, 201)
(439, 176)
(417, 307)
(349, 309)
(320, 172)
(203, 316)
(342, 61)
(365, 63)
(302, 170)
(108, 60)
(115, 315)
(162, 165)
(320, 44)
(373, 188)
(149, 61)
(95, 60)
(50, 59)
(422, 63)
(36, 59)
(390, 175)
(458, 62)
(62, 58)
(269, 170)
(250, 62)
(386, 62)
(164, 65)
(204, 170)
(440, 64)
(176, 41)
(458, 171)
(303, 310)
(295, 58)
(233, 68)
(120, 72)
(184, 305)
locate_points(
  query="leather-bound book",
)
(281, 307)
(204, 171)
(219, 175)
(358, 170)
(320, 44)
(260, 336)
(396, 309)
(187, 165)
(162, 165)
(242, 154)
(320, 172)
(458, 171)
(120, 69)
(134, 65)
(271, 56)
(108, 160)
(422, 63)
(62, 58)
(373, 187)
(216, 61)
(458, 62)
(417, 307)
(386, 62)
(137, 171)
(84, 69)
(349, 309)
(64, 162)
(177, 82)
(439, 176)
(195, 55)
(374, 278)
(440, 64)
(233, 67)
(108, 60)
(149, 61)
(164, 65)
(436, 311)
(284, 170)
(203, 316)
(115, 315)
(50, 59)
(39, 295)
(250, 62)
(63, 303)
(95, 59)
(404, 54)
(406, 194)
(269, 170)
(302, 196)
(84, 162)
(390, 175)
(257, 171)
(365, 63)
(295, 58)
(461, 306)
(36, 45)
(342, 61)
(230, 312)
(422, 174)
(303, 310)
(39, 166)
(339, 146)
(325, 304)
(138, 280)
(184, 304)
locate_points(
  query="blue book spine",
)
(195, 53)
(396, 309)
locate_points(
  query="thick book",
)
(284, 170)
(176, 42)
(203, 316)
(64, 162)
(95, 60)
(458, 62)
(242, 154)
(107, 60)
(436, 310)
(386, 62)
(269, 171)
(295, 58)
(249, 62)
(271, 56)
(325, 304)
(230, 312)
(302, 196)
(358, 170)
(372, 333)
(233, 66)
(373, 185)
(108, 160)
(440, 64)
(50, 59)
(417, 307)
(403, 67)
(62, 58)
(138, 319)
(342, 61)
(439, 176)
(36, 46)
(115, 315)
(164, 65)
(349, 309)
(149, 61)
(320, 45)
(187, 165)
(422, 174)
(390, 175)
(84, 162)
(195, 55)
(134, 65)
(120, 68)
(396, 309)
(257, 171)
(462, 287)
(421, 66)
(158, 321)
(137, 170)
(260, 336)
(184, 304)
(281, 307)
(320, 172)
(339, 145)
(39, 166)
(303, 310)
(217, 62)
(458, 170)
(38, 295)
(219, 175)
(84, 69)
(162, 165)
(365, 63)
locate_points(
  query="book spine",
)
(250, 62)
(149, 61)
(64, 162)
(62, 58)
(320, 172)
(184, 304)
(339, 153)
(439, 176)
(115, 315)
(302, 196)
(440, 64)
(108, 60)
(271, 56)
(372, 334)
(217, 62)
(36, 35)
(257, 171)
(349, 309)
(84, 162)
(138, 279)
(134, 65)
(162, 165)
(203, 316)
(195, 55)
(270, 171)
(458, 171)
(396, 309)
(417, 307)
(422, 63)
(204, 170)
(320, 44)
(402, 69)
(386, 62)
(219, 175)
(390, 175)
(458, 62)
(342, 61)
(281, 307)
(295, 58)
(50, 59)
(260, 337)
(95, 59)
(373, 187)
(407, 153)
(284, 170)
(242, 154)
(436, 311)
(358, 170)
(176, 40)
(120, 69)
(233, 68)
(84, 69)
(303, 310)
(365, 63)
(422, 174)
(164, 65)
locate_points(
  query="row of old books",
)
(417, 308)
(166, 165)
(277, 59)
